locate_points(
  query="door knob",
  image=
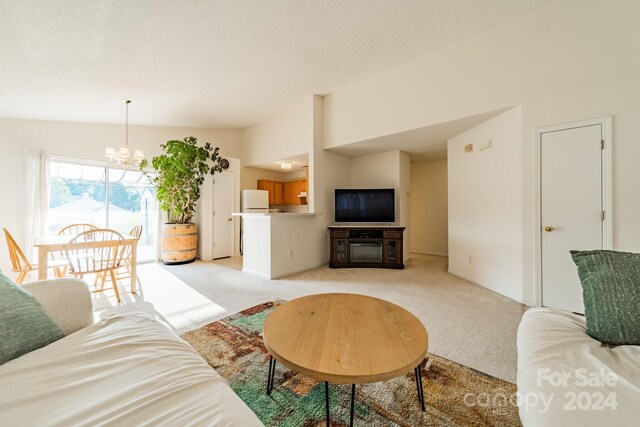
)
(229, 219)
(548, 228)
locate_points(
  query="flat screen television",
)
(365, 205)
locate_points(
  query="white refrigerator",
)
(255, 201)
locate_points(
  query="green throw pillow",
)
(611, 293)
(24, 326)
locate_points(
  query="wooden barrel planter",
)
(179, 243)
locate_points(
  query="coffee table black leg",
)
(326, 396)
(271, 374)
(353, 398)
(419, 386)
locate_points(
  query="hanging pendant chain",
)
(126, 121)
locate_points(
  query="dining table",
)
(58, 243)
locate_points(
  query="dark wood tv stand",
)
(366, 246)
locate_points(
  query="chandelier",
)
(122, 156)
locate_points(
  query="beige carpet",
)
(466, 322)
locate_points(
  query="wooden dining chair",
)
(73, 229)
(124, 272)
(70, 230)
(103, 256)
(21, 265)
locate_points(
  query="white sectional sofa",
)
(567, 378)
(127, 370)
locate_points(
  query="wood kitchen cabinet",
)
(284, 193)
(296, 190)
(302, 188)
(278, 189)
(262, 185)
(297, 187)
(287, 193)
(267, 185)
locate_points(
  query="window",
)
(104, 197)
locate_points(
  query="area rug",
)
(455, 395)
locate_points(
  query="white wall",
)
(403, 198)
(287, 135)
(84, 140)
(375, 170)
(429, 217)
(485, 205)
(294, 176)
(567, 61)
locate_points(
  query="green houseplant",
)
(179, 173)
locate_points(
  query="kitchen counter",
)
(273, 244)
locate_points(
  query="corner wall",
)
(286, 135)
(485, 205)
(327, 171)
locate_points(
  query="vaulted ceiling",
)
(213, 63)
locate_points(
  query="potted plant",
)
(179, 173)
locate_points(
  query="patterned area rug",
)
(455, 395)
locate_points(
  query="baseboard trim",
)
(430, 253)
(256, 273)
(297, 270)
(463, 276)
(469, 279)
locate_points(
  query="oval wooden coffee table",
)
(345, 339)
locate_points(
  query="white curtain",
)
(36, 197)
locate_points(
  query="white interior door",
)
(571, 209)
(222, 219)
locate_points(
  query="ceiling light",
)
(122, 156)
(286, 165)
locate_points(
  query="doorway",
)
(223, 205)
(574, 205)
